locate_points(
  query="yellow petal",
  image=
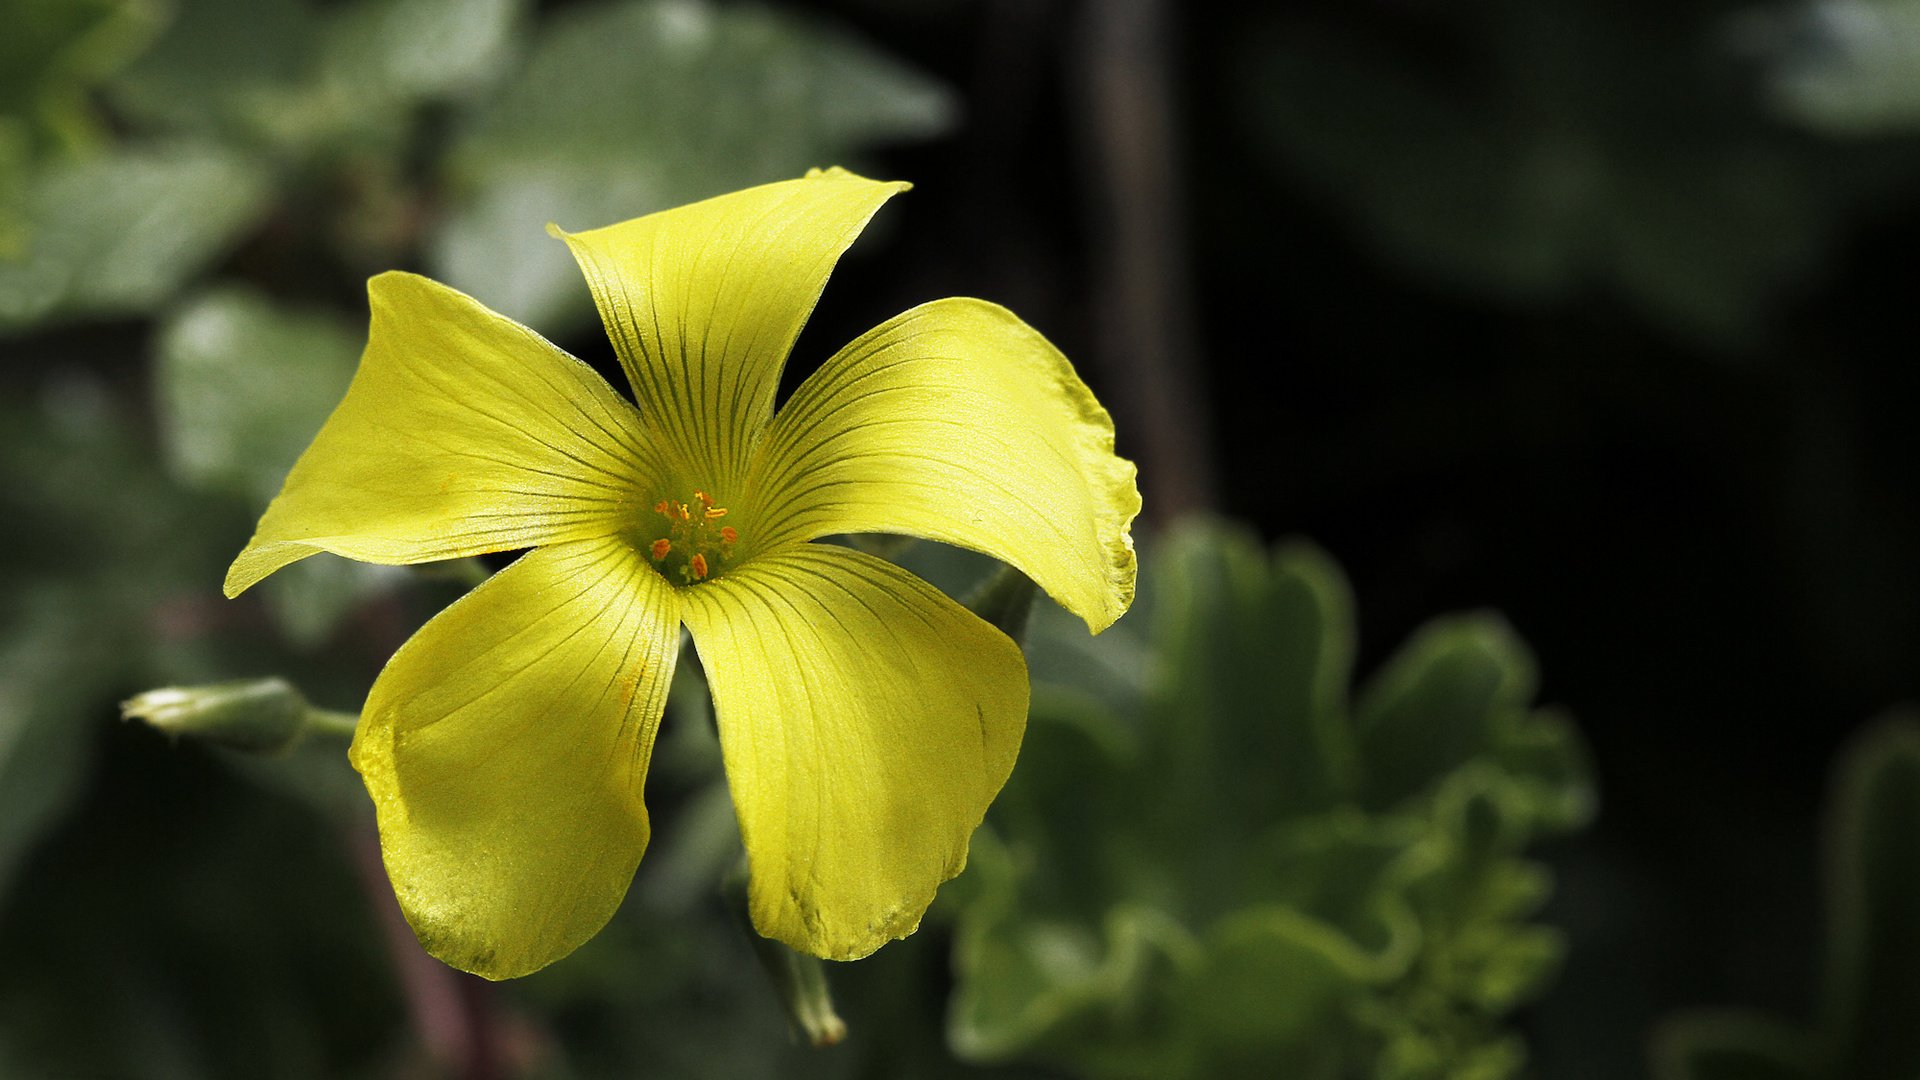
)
(463, 432)
(505, 747)
(866, 721)
(703, 302)
(958, 422)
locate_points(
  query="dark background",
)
(1706, 538)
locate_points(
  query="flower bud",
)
(264, 716)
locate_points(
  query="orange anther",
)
(699, 565)
(728, 535)
(660, 507)
(660, 548)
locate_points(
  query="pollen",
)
(688, 541)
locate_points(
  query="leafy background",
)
(1593, 316)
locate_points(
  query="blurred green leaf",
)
(1845, 68)
(16, 163)
(1875, 895)
(94, 548)
(1438, 703)
(1224, 597)
(296, 78)
(1536, 151)
(243, 384)
(1864, 1028)
(120, 233)
(215, 61)
(416, 50)
(627, 108)
(52, 666)
(53, 53)
(1732, 1046)
(1239, 872)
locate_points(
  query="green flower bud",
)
(265, 716)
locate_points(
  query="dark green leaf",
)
(1439, 703)
(53, 667)
(1733, 1046)
(1875, 896)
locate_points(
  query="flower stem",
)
(1005, 600)
(799, 980)
(331, 723)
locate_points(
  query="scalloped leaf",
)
(1238, 875)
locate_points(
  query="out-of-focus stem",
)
(1143, 303)
(452, 1013)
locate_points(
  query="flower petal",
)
(703, 302)
(505, 746)
(958, 422)
(866, 721)
(463, 432)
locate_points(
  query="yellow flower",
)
(866, 720)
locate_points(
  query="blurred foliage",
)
(1863, 1029)
(391, 131)
(53, 53)
(189, 193)
(1841, 67)
(1535, 150)
(117, 234)
(1209, 862)
(710, 99)
(242, 384)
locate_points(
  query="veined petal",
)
(505, 746)
(463, 432)
(703, 302)
(958, 422)
(866, 721)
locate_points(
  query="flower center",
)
(691, 542)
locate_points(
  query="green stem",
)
(469, 572)
(1005, 600)
(332, 723)
(799, 980)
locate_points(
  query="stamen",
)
(693, 535)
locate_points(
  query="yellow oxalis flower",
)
(866, 720)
